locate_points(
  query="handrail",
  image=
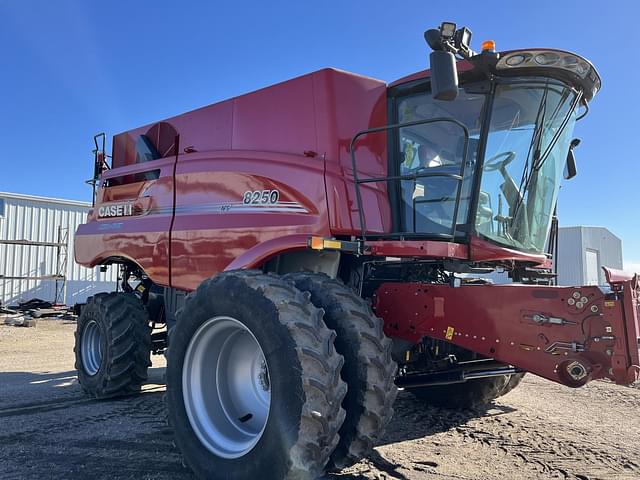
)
(459, 178)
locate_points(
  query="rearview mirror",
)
(571, 169)
(444, 76)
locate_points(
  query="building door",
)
(592, 269)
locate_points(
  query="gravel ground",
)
(49, 429)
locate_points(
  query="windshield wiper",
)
(536, 144)
(548, 125)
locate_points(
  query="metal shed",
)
(583, 251)
(36, 251)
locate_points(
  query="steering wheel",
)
(494, 163)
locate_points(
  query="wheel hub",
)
(91, 348)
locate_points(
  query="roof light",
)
(488, 46)
(447, 29)
(547, 58)
(515, 60)
(566, 61)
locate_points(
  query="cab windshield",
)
(529, 135)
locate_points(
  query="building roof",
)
(36, 198)
(589, 227)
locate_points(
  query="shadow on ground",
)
(413, 419)
(77, 437)
(23, 389)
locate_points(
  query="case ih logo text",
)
(119, 210)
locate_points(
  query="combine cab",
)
(300, 251)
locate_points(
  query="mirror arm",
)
(585, 104)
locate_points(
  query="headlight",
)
(517, 59)
(547, 58)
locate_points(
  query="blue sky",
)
(74, 68)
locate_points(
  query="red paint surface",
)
(417, 248)
(143, 238)
(207, 242)
(482, 251)
(259, 141)
(616, 277)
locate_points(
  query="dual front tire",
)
(259, 384)
(369, 370)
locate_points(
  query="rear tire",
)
(296, 373)
(112, 345)
(369, 370)
(467, 395)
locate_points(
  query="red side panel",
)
(272, 147)
(142, 237)
(213, 226)
(347, 104)
(249, 179)
(276, 119)
(282, 139)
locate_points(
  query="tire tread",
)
(322, 414)
(370, 379)
(124, 369)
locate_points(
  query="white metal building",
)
(583, 251)
(36, 251)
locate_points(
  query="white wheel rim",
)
(226, 387)
(91, 348)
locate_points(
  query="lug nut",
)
(579, 305)
(584, 299)
(576, 295)
(594, 308)
(571, 301)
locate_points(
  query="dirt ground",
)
(49, 429)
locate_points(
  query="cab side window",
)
(433, 154)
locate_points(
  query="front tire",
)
(112, 345)
(253, 380)
(369, 370)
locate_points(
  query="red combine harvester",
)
(302, 250)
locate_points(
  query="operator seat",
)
(434, 197)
